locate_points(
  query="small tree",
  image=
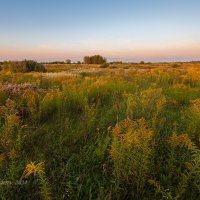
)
(96, 59)
(87, 60)
(68, 61)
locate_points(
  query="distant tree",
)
(56, 62)
(78, 62)
(87, 60)
(142, 62)
(116, 62)
(96, 59)
(68, 61)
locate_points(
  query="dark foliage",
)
(25, 66)
(96, 59)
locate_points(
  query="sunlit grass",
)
(124, 131)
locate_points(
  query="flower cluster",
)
(13, 89)
(131, 132)
(181, 140)
(196, 107)
(33, 169)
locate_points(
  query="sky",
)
(127, 30)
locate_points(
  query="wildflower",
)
(182, 140)
(179, 85)
(192, 73)
(160, 103)
(99, 83)
(11, 106)
(87, 78)
(32, 169)
(114, 153)
(132, 132)
(2, 156)
(31, 97)
(131, 148)
(13, 119)
(146, 134)
(196, 107)
(12, 154)
(188, 165)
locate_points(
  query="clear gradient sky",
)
(128, 30)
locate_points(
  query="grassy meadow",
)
(118, 131)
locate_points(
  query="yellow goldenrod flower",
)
(182, 140)
(147, 134)
(32, 169)
(13, 120)
(12, 154)
(131, 132)
(196, 107)
(87, 78)
(2, 156)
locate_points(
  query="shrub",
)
(96, 59)
(113, 67)
(25, 66)
(175, 65)
(106, 65)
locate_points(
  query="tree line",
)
(23, 66)
(31, 65)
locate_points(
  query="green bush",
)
(96, 59)
(25, 66)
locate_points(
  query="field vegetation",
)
(23, 66)
(114, 131)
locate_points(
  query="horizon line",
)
(110, 60)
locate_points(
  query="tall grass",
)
(124, 133)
